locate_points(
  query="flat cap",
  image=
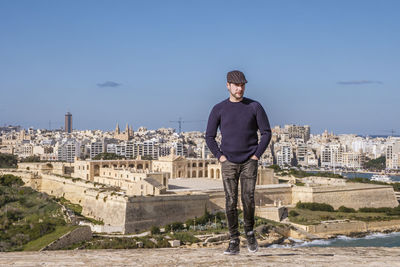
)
(236, 76)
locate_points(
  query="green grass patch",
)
(76, 208)
(43, 241)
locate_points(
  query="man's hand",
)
(222, 159)
(254, 157)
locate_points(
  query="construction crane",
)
(392, 131)
(180, 121)
(53, 122)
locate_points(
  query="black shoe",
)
(252, 244)
(233, 248)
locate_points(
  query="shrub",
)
(9, 180)
(293, 213)
(155, 230)
(346, 209)
(314, 206)
(383, 209)
(175, 226)
(186, 237)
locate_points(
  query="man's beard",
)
(237, 96)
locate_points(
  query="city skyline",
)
(330, 65)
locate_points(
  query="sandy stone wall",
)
(337, 228)
(264, 195)
(351, 195)
(347, 227)
(143, 212)
(106, 207)
(77, 235)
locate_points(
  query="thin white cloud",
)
(360, 82)
(108, 84)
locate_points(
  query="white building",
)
(68, 151)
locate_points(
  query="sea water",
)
(372, 240)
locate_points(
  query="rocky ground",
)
(344, 256)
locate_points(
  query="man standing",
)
(239, 118)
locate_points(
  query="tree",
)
(8, 160)
(376, 164)
(9, 180)
(147, 157)
(31, 159)
(275, 167)
(155, 230)
(107, 156)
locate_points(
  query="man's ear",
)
(228, 85)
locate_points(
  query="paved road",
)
(207, 257)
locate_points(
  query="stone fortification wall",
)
(31, 179)
(323, 180)
(383, 225)
(347, 227)
(351, 195)
(103, 206)
(71, 189)
(106, 207)
(60, 168)
(343, 228)
(266, 194)
(266, 176)
(143, 212)
(77, 235)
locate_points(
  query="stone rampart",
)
(346, 227)
(352, 195)
(106, 207)
(343, 228)
(384, 225)
(264, 195)
(77, 235)
(73, 189)
(143, 212)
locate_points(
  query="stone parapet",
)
(354, 195)
(77, 235)
(290, 257)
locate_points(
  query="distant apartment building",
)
(68, 151)
(296, 131)
(267, 158)
(164, 150)
(353, 160)
(284, 154)
(134, 149)
(301, 154)
(24, 150)
(205, 151)
(150, 148)
(180, 149)
(68, 123)
(96, 148)
(393, 154)
(332, 155)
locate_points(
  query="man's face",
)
(236, 90)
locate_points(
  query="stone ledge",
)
(343, 256)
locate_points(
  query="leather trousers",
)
(246, 173)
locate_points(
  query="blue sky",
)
(329, 64)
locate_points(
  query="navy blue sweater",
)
(239, 123)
